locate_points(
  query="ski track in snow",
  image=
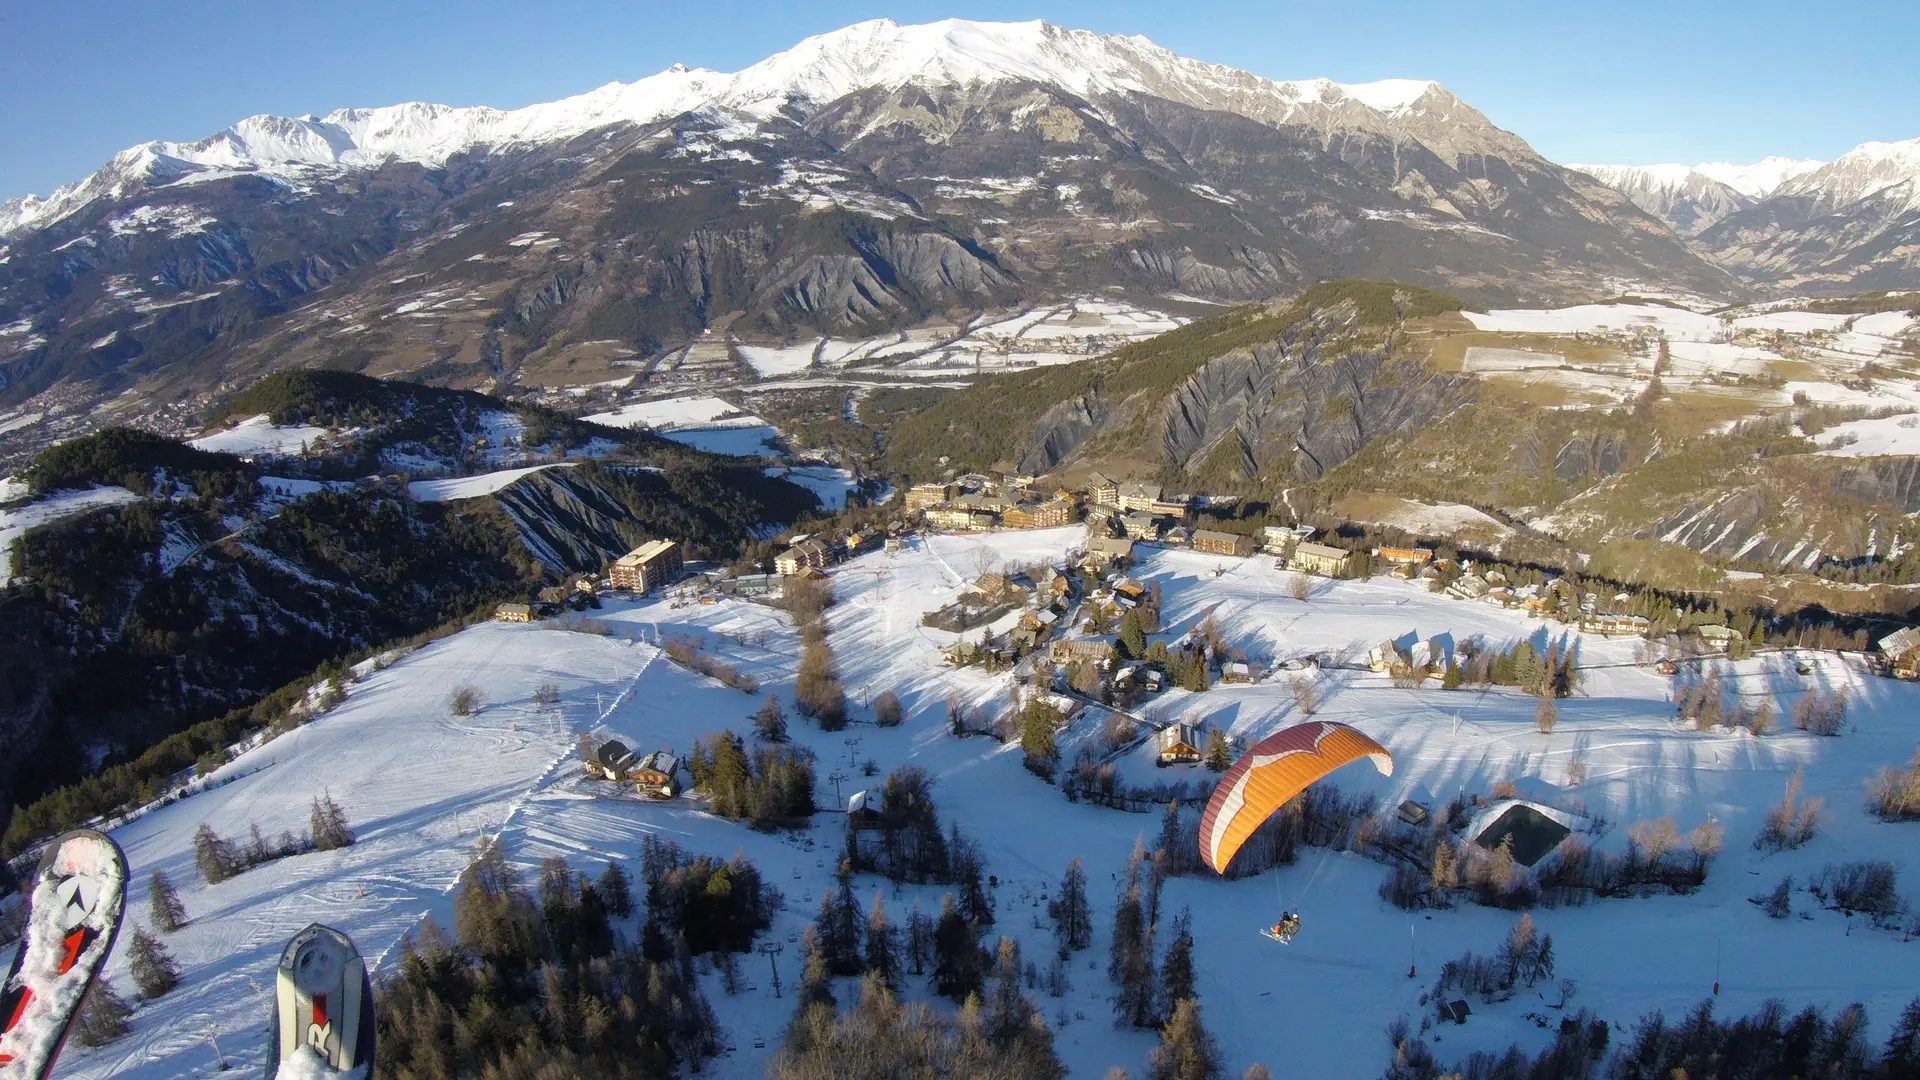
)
(421, 788)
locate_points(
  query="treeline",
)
(817, 691)
(538, 985)
(699, 904)
(1767, 1044)
(770, 787)
(131, 458)
(217, 858)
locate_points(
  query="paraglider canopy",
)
(1276, 769)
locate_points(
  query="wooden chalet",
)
(514, 613)
(1900, 652)
(1075, 650)
(863, 810)
(1179, 744)
(611, 761)
(656, 775)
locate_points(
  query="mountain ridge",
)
(878, 54)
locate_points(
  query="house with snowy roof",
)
(1900, 651)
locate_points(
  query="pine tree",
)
(1132, 641)
(816, 982)
(152, 966)
(1520, 950)
(963, 857)
(327, 824)
(919, 941)
(1176, 973)
(1902, 1058)
(1072, 915)
(770, 723)
(1446, 868)
(615, 890)
(1219, 757)
(838, 926)
(956, 954)
(163, 903)
(1187, 1051)
(1174, 841)
(104, 1015)
(214, 856)
(1038, 724)
(883, 945)
(1130, 961)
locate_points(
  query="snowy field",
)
(421, 787)
(1899, 434)
(44, 511)
(472, 487)
(829, 484)
(740, 441)
(257, 436)
(675, 412)
(1056, 333)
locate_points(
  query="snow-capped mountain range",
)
(868, 55)
(1694, 197)
(868, 181)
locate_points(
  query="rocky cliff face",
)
(569, 524)
(1293, 410)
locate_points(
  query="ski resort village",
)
(963, 551)
(961, 742)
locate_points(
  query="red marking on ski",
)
(76, 943)
(19, 1010)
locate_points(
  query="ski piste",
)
(322, 1021)
(79, 895)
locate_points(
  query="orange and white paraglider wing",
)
(1276, 769)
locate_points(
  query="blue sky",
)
(1606, 82)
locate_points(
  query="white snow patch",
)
(259, 436)
(675, 412)
(1888, 435)
(472, 487)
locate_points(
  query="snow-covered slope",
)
(878, 53)
(1864, 171)
(421, 787)
(1681, 195)
(1867, 170)
(1756, 181)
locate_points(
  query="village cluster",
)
(1077, 630)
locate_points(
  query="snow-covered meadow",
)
(421, 787)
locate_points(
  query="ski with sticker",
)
(79, 895)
